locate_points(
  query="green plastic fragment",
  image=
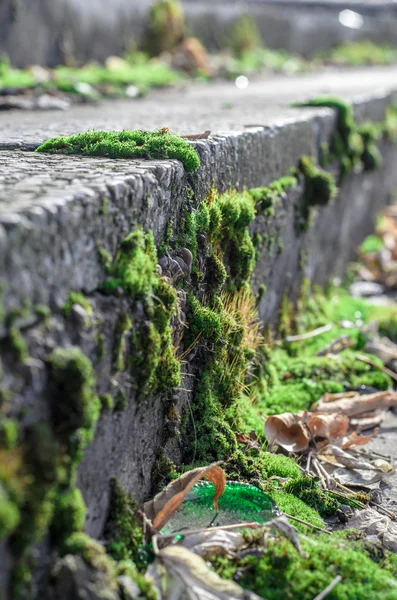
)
(240, 503)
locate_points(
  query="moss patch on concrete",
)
(126, 144)
(145, 348)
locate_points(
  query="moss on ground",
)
(77, 298)
(281, 573)
(126, 144)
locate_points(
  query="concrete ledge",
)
(53, 220)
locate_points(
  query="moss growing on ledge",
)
(123, 531)
(69, 514)
(77, 298)
(265, 196)
(75, 407)
(320, 187)
(149, 353)
(126, 144)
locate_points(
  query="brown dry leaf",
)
(288, 431)
(354, 439)
(357, 405)
(251, 441)
(368, 420)
(350, 461)
(327, 426)
(163, 506)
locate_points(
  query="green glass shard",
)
(240, 503)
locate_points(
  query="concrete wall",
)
(50, 32)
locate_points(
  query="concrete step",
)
(56, 212)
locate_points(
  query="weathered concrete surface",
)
(54, 31)
(53, 220)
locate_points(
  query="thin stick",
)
(329, 588)
(309, 334)
(253, 525)
(306, 523)
(380, 508)
(309, 459)
(320, 475)
(388, 372)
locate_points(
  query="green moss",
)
(104, 206)
(149, 354)
(77, 298)
(69, 514)
(100, 346)
(266, 196)
(126, 144)
(216, 273)
(354, 146)
(123, 326)
(320, 187)
(107, 402)
(9, 433)
(296, 507)
(165, 27)
(120, 402)
(308, 490)
(372, 243)
(41, 454)
(123, 530)
(244, 36)
(360, 53)
(91, 551)
(282, 466)
(282, 573)
(17, 344)
(42, 311)
(75, 407)
(9, 514)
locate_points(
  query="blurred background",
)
(53, 32)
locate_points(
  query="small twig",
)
(306, 523)
(253, 525)
(327, 476)
(329, 588)
(367, 360)
(309, 459)
(318, 471)
(380, 508)
(309, 334)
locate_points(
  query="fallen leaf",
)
(327, 426)
(251, 441)
(368, 480)
(348, 460)
(183, 575)
(288, 431)
(357, 405)
(372, 524)
(354, 439)
(163, 506)
(368, 420)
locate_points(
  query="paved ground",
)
(220, 107)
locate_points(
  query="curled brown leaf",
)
(163, 506)
(288, 431)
